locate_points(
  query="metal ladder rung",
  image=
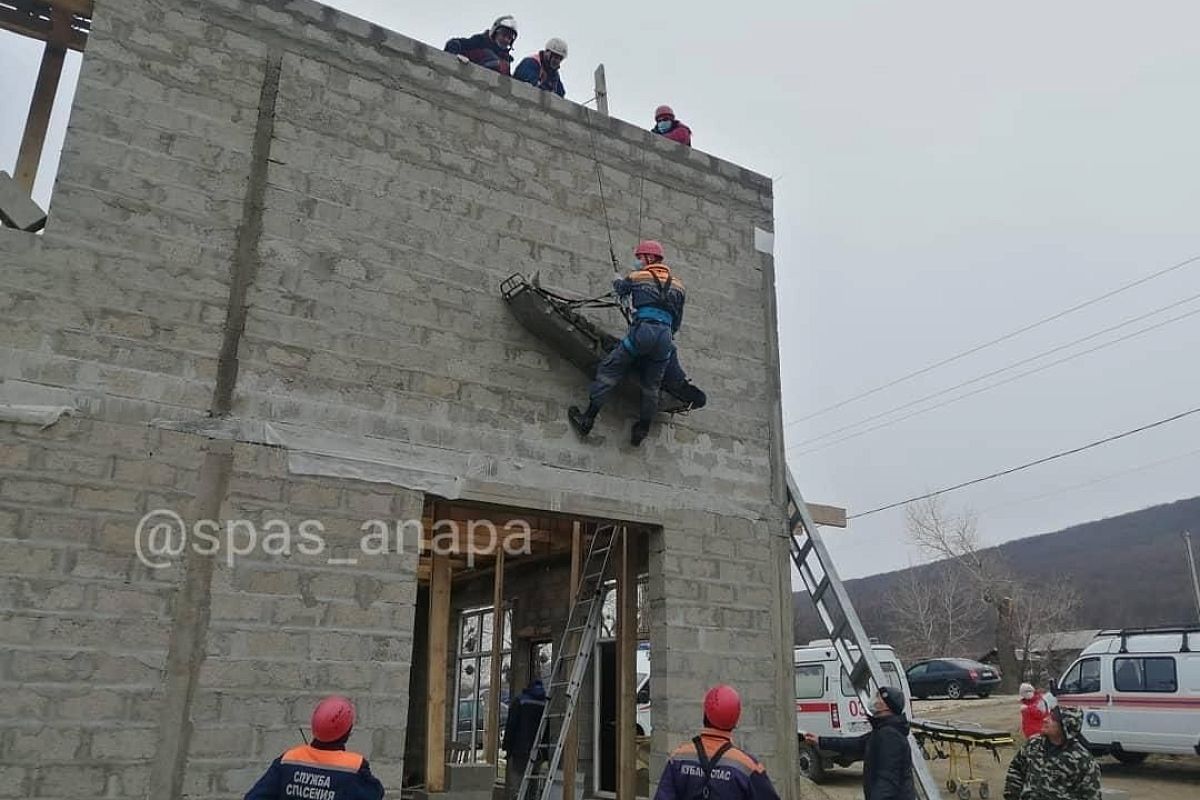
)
(570, 665)
(844, 628)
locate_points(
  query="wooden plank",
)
(626, 667)
(491, 736)
(828, 516)
(84, 8)
(601, 91)
(439, 651)
(40, 107)
(570, 756)
(41, 29)
(17, 209)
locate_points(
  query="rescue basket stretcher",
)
(957, 741)
(557, 321)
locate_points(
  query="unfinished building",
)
(267, 295)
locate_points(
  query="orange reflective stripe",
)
(340, 760)
(712, 741)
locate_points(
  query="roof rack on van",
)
(1125, 633)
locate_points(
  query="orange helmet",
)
(649, 247)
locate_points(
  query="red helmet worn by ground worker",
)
(332, 719)
(722, 707)
(649, 248)
(663, 111)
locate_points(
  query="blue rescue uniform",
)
(735, 775)
(658, 298)
(309, 772)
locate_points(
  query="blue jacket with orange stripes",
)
(656, 293)
(311, 772)
(737, 776)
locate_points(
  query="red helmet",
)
(722, 707)
(332, 719)
(663, 111)
(649, 247)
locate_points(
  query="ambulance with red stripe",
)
(1139, 690)
(826, 703)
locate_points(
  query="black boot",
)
(640, 430)
(582, 421)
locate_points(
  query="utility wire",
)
(997, 340)
(1004, 369)
(1028, 464)
(1102, 479)
(991, 386)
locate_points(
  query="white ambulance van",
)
(1139, 690)
(826, 703)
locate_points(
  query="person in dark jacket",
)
(491, 48)
(541, 68)
(324, 769)
(710, 765)
(658, 298)
(666, 125)
(524, 716)
(887, 758)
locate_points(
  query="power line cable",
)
(1003, 369)
(991, 386)
(998, 340)
(1102, 479)
(1028, 464)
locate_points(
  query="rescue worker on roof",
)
(885, 752)
(710, 766)
(658, 299)
(491, 48)
(666, 125)
(541, 68)
(325, 769)
(1055, 765)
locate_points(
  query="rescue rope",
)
(612, 252)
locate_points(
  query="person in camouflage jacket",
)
(1055, 765)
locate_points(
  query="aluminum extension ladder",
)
(841, 621)
(570, 668)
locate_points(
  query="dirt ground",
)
(1158, 778)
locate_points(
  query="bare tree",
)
(954, 537)
(934, 611)
(1041, 613)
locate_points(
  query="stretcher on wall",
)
(957, 741)
(557, 320)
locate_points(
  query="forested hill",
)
(1130, 570)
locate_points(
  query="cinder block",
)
(45, 744)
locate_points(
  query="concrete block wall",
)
(273, 213)
(713, 619)
(88, 630)
(84, 626)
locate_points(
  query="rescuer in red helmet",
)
(710, 766)
(649, 346)
(666, 125)
(325, 769)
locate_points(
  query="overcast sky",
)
(946, 172)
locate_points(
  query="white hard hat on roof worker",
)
(507, 21)
(556, 46)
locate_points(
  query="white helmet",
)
(557, 46)
(504, 22)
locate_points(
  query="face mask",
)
(663, 126)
